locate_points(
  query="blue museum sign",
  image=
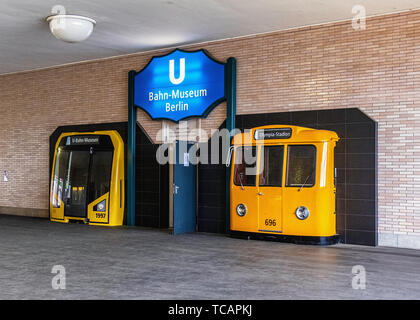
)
(180, 85)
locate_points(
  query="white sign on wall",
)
(186, 159)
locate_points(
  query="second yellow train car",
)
(283, 184)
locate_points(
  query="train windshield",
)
(71, 178)
(301, 162)
(60, 177)
(100, 174)
(271, 166)
(245, 166)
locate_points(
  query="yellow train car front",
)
(87, 178)
(282, 185)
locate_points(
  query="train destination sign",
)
(276, 133)
(180, 85)
(82, 140)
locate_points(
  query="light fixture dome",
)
(70, 28)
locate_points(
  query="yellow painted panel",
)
(280, 203)
(99, 216)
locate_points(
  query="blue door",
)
(184, 191)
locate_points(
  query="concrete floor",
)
(136, 263)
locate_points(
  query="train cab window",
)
(301, 164)
(76, 181)
(100, 175)
(245, 166)
(60, 177)
(271, 166)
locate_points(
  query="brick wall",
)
(311, 68)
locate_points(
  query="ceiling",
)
(128, 26)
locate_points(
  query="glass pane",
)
(76, 183)
(271, 170)
(301, 166)
(60, 171)
(245, 166)
(100, 175)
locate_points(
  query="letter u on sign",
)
(181, 71)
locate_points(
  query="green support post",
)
(131, 153)
(230, 92)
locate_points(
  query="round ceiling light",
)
(70, 28)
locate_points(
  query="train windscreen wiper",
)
(306, 180)
(240, 180)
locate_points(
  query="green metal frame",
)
(230, 93)
(131, 152)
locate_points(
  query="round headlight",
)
(241, 210)
(302, 213)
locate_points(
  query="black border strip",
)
(312, 240)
